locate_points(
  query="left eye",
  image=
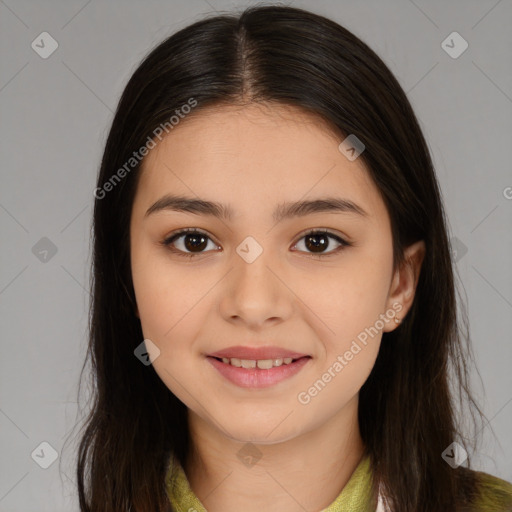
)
(317, 241)
(195, 242)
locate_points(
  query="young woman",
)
(274, 320)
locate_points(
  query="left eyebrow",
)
(283, 211)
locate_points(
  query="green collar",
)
(356, 496)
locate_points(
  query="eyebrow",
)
(282, 211)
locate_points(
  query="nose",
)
(255, 294)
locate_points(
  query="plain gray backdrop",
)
(56, 112)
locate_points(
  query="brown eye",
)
(317, 242)
(193, 242)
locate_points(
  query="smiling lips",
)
(257, 367)
(256, 353)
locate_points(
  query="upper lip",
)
(257, 353)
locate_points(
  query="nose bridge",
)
(253, 293)
(252, 276)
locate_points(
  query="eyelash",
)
(174, 236)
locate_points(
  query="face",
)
(312, 282)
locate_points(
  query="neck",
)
(308, 470)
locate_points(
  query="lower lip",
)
(256, 377)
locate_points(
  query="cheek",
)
(346, 298)
(169, 317)
(171, 313)
(164, 294)
(348, 302)
(173, 305)
(153, 302)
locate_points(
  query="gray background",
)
(55, 115)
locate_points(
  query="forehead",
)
(243, 130)
(254, 154)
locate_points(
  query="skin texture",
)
(253, 158)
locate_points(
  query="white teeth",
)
(265, 364)
(262, 364)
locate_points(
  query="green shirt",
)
(356, 496)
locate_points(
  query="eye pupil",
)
(316, 245)
(194, 245)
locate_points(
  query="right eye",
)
(194, 241)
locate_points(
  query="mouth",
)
(258, 373)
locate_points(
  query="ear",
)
(404, 282)
(137, 312)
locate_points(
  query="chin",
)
(268, 432)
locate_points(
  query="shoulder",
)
(492, 494)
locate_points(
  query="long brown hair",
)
(407, 406)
